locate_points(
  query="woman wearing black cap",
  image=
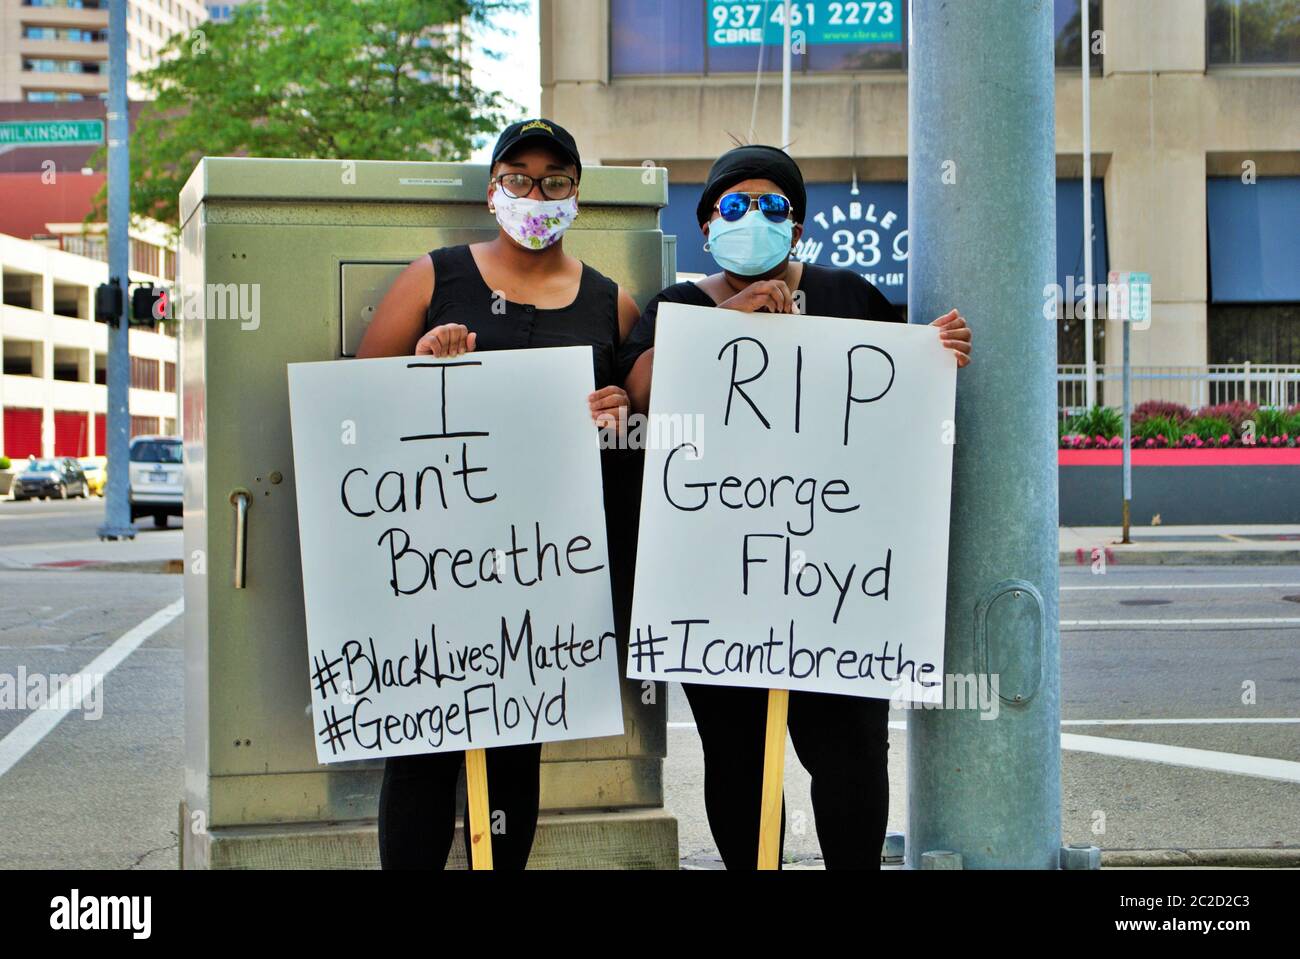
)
(751, 213)
(516, 291)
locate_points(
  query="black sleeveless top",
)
(461, 295)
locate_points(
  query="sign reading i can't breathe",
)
(454, 562)
(803, 542)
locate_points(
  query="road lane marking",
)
(1184, 586)
(1235, 763)
(1243, 621)
(39, 722)
(1263, 721)
(1181, 722)
(7, 515)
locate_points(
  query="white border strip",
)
(1243, 621)
(1234, 763)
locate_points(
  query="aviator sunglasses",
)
(733, 206)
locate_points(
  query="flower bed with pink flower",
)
(1159, 425)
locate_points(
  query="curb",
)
(100, 566)
(1185, 557)
(1260, 858)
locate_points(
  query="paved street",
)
(1172, 685)
(1160, 750)
(35, 522)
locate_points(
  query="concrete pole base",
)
(1080, 856)
(941, 859)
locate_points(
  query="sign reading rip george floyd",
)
(802, 543)
(454, 562)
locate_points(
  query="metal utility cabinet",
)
(320, 241)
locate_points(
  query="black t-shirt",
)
(827, 291)
(461, 295)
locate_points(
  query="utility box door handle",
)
(240, 499)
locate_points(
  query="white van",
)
(156, 478)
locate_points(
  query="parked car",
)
(96, 470)
(51, 479)
(156, 478)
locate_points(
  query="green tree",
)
(332, 79)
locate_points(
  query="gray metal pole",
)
(981, 206)
(117, 508)
(1128, 437)
(1090, 319)
(787, 56)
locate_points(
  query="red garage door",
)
(22, 433)
(70, 438)
(101, 425)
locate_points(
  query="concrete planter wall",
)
(1181, 486)
(6, 482)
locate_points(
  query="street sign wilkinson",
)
(63, 133)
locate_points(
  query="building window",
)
(51, 96)
(169, 377)
(656, 38)
(695, 36)
(144, 426)
(1252, 31)
(61, 33)
(144, 373)
(69, 4)
(1069, 27)
(62, 66)
(1259, 333)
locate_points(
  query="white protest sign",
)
(806, 546)
(454, 563)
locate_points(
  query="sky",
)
(517, 75)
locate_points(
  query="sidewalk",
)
(154, 551)
(1183, 545)
(160, 552)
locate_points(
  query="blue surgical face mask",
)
(751, 245)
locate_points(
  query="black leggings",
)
(843, 742)
(417, 807)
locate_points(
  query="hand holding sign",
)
(803, 545)
(954, 335)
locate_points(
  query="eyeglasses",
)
(733, 206)
(555, 186)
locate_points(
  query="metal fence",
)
(1193, 386)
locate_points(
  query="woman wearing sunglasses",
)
(519, 290)
(751, 213)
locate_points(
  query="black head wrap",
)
(753, 163)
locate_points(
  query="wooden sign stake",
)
(477, 810)
(769, 822)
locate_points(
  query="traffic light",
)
(108, 301)
(148, 305)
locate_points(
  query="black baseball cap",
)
(546, 131)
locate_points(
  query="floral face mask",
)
(535, 224)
